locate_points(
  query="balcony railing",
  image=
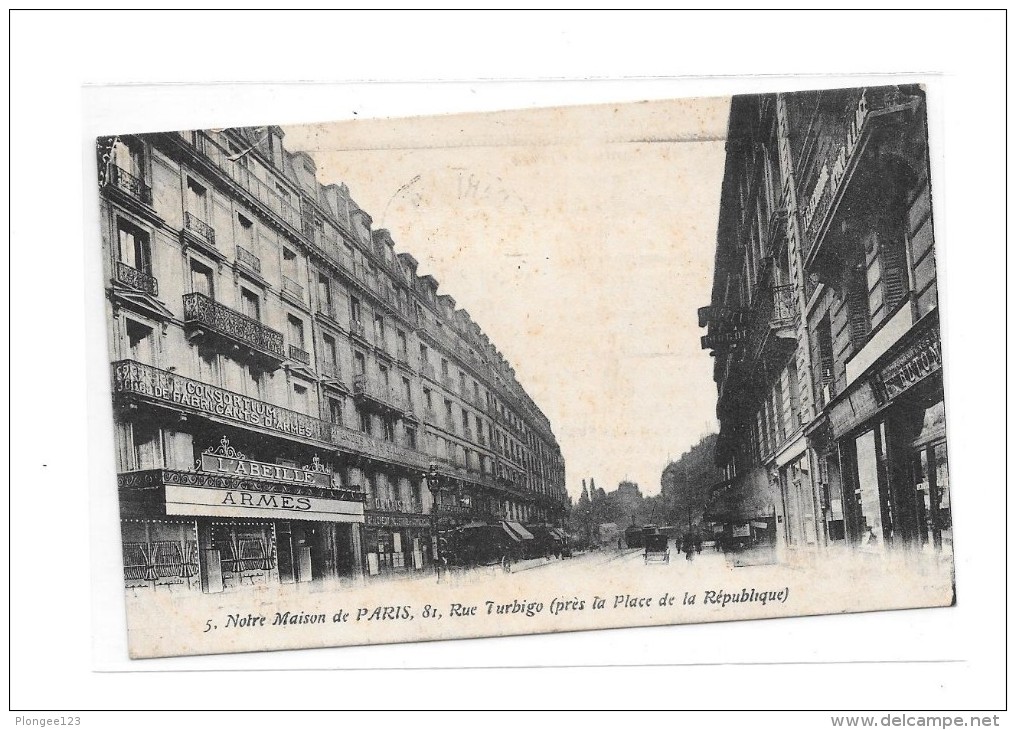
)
(205, 311)
(130, 184)
(235, 168)
(194, 224)
(774, 315)
(377, 393)
(136, 279)
(299, 354)
(137, 380)
(357, 329)
(291, 287)
(248, 259)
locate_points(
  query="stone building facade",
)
(284, 380)
(824, 326)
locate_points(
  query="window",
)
(246, 232)
(826, 385)
(476, 391)
(328, 355)
(389, 429)
(462, 382)
(197, 199)
(858, 313)
(448, 412)
(379, 329)
(255, 381)
(424, 355)
(444, 367)
(295, 331)
(289, 265)
(359, 363)
(202, 279)
(208, 365)
(428, 398)
(148, 446)
(465, 419)
(364, 421)
(354, 310)
(301, 399)
(141, 342)
(411, 437)
(250, 303)
(128, 155)
(335, 411)
(324, 294)
(134, 246)
(407, 391)
(403, 343)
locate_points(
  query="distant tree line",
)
(684, 483)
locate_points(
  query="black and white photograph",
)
(498, 361)
(535, 371)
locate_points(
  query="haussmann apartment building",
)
(283, 380)
(824, 328)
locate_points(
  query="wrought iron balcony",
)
(299, 354)
(203, 315)
(772, 322)
(248, 259)
(357, 329)
(134, 186)
(377, 395)
(136, 279)
(291, 287)
(197, 226)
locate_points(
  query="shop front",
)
(743, 517)
(215, 530)
(890, 430)
(396, 543)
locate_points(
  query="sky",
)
(580, 239)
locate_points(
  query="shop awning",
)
(519, 530)
(511, 534)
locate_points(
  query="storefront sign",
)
(372, 519)
(392, 505)
(714, 315)
(912, 365)
(830, 179)
(200, 501)
(141, 379)
(723, 340)
(834, 169)
(224, 459)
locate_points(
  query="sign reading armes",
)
(250, 503)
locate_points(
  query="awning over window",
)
(512, 535)
(519, 530)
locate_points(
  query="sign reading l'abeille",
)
(228, 461)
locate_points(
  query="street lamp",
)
(434, 484)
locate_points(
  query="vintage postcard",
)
(529, 371)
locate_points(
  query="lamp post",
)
(434, 484)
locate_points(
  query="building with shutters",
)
(824, 327)
(283, 379)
